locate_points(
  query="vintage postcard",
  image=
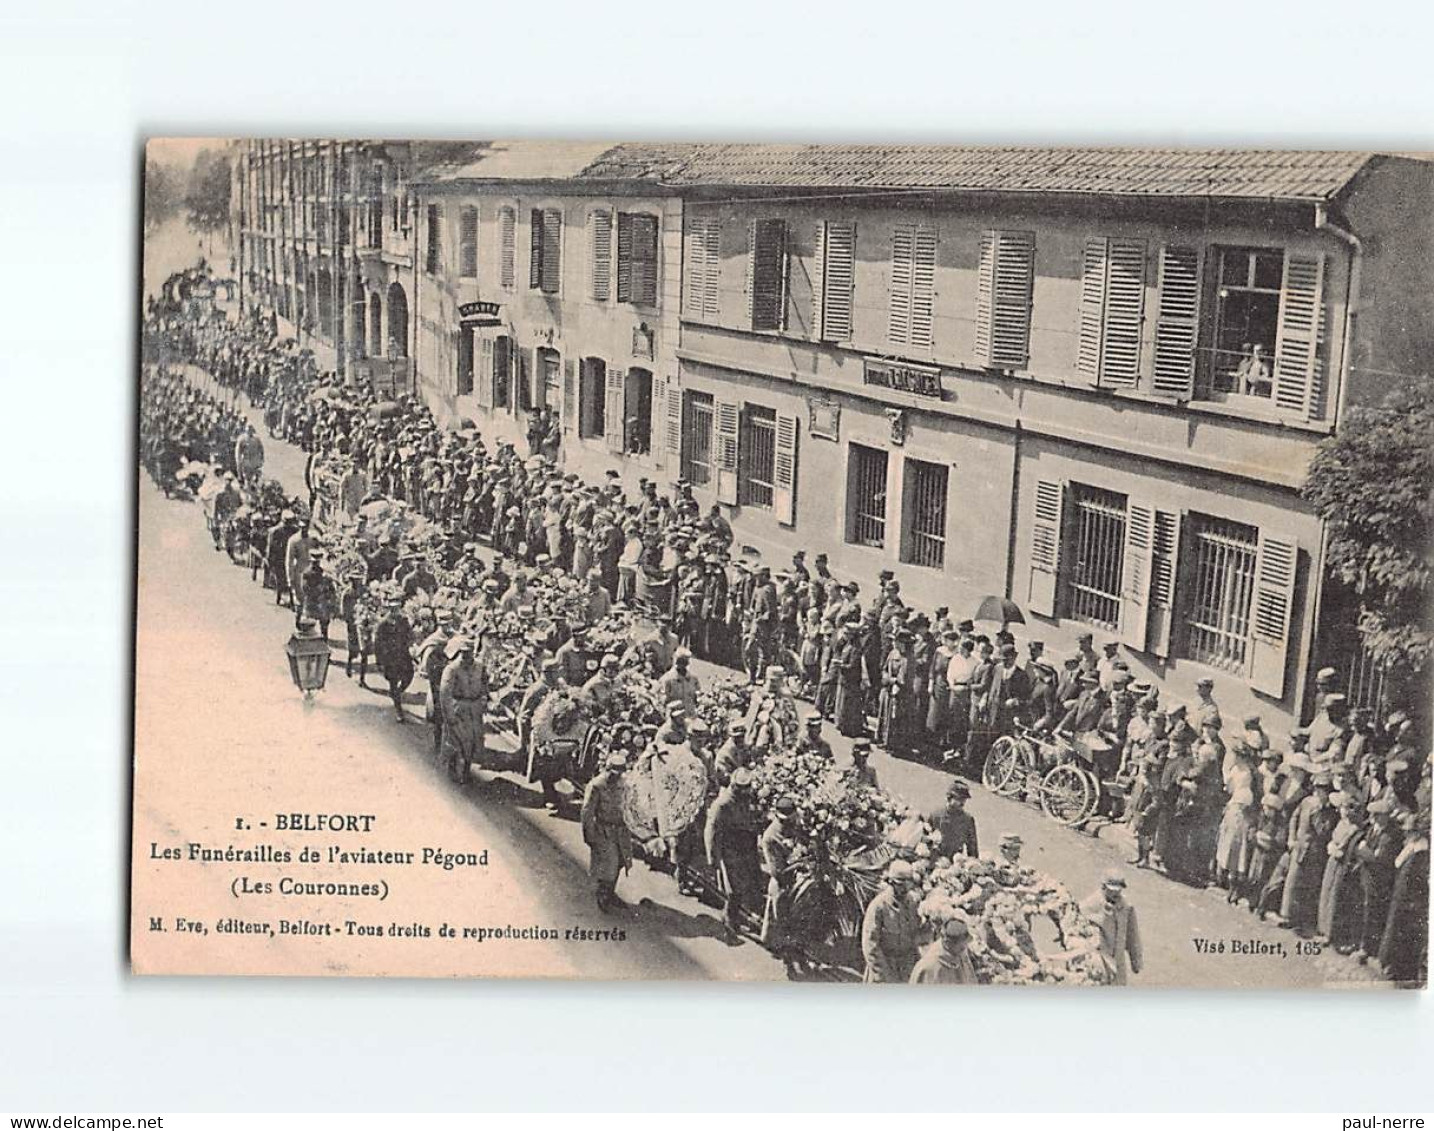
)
(814, 562)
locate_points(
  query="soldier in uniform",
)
(861, 769)
(463, 697)
(549, 680)
(1120, 947)
(777, 846)
(956, 827)
(679, 683)
(947, 961)
(605, 833)
(393, 649)
(812, 741)
(889, 928)
(733, 754)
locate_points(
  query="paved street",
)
(352, 733)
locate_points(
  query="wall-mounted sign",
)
(479, 314)
(896, 420)
(903, 377)
(823, 418)
(643, 341)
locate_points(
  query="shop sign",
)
(903, 377)
(479, 314)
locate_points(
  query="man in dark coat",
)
(957, 828)
(734, 826)
(393, 649)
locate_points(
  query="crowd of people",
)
(1326, 831)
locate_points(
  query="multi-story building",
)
(541, 286)
(1088, 380)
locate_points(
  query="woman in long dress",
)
(1234, 840)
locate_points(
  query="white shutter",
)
(673, 434)
(784, 470)
(600, 229)
(1124, 314)
(1046, 520)
(1177, 325)
(1271, 609)
(1003, 299)
(711, 267)
(1094, 265)
(836, 275)
(1164, 564)
(483, 376)
(818, 277)
(1297, 344)
(694, 269)
(923, 286)
(570, 395)
(726, 418)
(1135, 575)
(552, 232)
(507, 247)
(903, 240)
(615, 410)
(749, 287)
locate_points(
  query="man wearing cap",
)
(811, 740)
(1207, 711)
(733, 828)
(600, 690)
(679, 683)
(895, 706)
(1105, 666)
(889, 927)
(777, 846)
(733, 754)
(226, 504)
(276, 545)
(549, 680)
(1120, 948)
(573, 656)
(1086, 657)
(1324, 685)
(1375, 855)
(605, 832)
(761, 634)
(771, 712)
(1327, 731)
(393, 649)
(1403, 954)
(959, 672)
(463, 695)
(947, 961)
(955, 826)
(1010, 848)
(317, 596)
(1009, 689)
(862, 772)
(432, 656)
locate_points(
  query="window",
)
(600, 238)
(637, 405)
(550, 370)
(697, 430)
(435, 239)
(1112, 309)
(757, 458)
(502, 371)
(592, 398)
(835, 279)
(1003, 298)
(465, 361)
(866, 496)
(1095, 549)
(507, 248)
(545, 250)
(767, 274)
(924, 520)
(637, 258)
(702, 267)
(1222, 582)
(913, 282)
(1247, 320)
(468, 243)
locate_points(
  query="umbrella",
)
(385, 410)
(1001, 609)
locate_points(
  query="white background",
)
(83, 83)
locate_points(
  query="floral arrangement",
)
(1001, 902)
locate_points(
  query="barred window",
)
(866, 496)
(1217, 617)
(758, 456)
(1096, 545)
(697, 425)
(924, 518)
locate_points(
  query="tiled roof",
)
(514, 161)
(1232, 173)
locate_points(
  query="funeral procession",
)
(810, 562)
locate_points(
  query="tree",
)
(1373, 484)
(207, 198)
(162, 193)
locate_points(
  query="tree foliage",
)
(163, 193)
(1373, 484)
(207, 198)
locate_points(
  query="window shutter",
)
(644, 259)
(535, 249)
(624, 257)
(702, 267)
(1124, 314)
(1003, 299)
(923, 286)
(767, 273)
(1297, 343)
(1164, 560)
(527, 378)
(1046, 522)
(570, 395)
(784, 470)
(1177, 325)
(712, 267)
(1135, 575)
(552, 250)
(819, 260)
(898, 321)
(601, 231)
(726, 423)
(507, 248)
(1094, 266)
(483, 380)
(1272, 607)
(615, 410)
(673, 434)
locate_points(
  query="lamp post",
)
(308, 655)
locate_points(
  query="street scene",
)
(811, 563)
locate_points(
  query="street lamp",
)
(308, 654)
